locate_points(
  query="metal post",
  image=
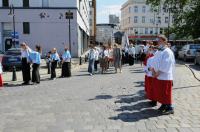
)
(70, 35)
(14, 76)
(14, 42)
(80, 61)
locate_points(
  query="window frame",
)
(26, 28)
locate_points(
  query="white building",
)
(44, 22)
(139, 20)
(105, 33)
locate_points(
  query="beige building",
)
(139, 20)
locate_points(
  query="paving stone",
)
(88, 104)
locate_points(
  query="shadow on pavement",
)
(101, 97)
(134, 108)
(139, 84)
(136, 116)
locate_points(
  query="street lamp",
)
(12, 13)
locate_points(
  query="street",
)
(99, 103)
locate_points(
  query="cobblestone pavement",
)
(100, 103)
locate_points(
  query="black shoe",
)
(153, 103)
(167, 111)
(26, 83)
(162, 107)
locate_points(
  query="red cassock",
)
(146, 84)
(152, 92)
(164, 91)
(1, 81)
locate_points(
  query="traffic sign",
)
(16, 35)
(69, 15)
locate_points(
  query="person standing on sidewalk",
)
(54, 62)
(66, 64)
(117, 57)
(35, 58)
(25, 63)
(91, 59)
(131, 54)
(164, 73)
(1, 79)
(96, 59)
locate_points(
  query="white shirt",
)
(92, 54)
(96, 55)
(25, 53)
(165, 65)
(149, 64)
(131, 51)
(1, 71)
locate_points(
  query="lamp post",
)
(12, 13)
(69, 16)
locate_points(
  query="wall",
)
(50, 31)
(62, 3)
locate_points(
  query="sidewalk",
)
(7, 76)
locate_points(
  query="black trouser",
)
(35, 73)
(26, 70)
(66, 69)
(96, 65)
(49, 67)
(131, 60)
(53, 69)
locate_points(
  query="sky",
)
(106, 7)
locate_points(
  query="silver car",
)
(188, 51)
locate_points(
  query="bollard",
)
(85, 58)
(80, 61)
(14, 76)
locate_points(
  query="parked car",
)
(1, 55)
(11, 58)
(176, 49)
(188, 51)
(197, 58)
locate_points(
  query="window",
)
(129, 9)
(166, 19)
(146, 31)
(135, 19)
(26, 27)
(151, 31)
(143, 19)
(152, 20)
(136, 9)
(159, 19)
(144, 9)
(45, 3)
(25, 3)
(129, 20)
(5, 3)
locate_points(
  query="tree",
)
(186, 16)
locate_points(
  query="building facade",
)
(139, 20)
(105, 33)
(44, 22)
(92, 21)
(113, 19)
